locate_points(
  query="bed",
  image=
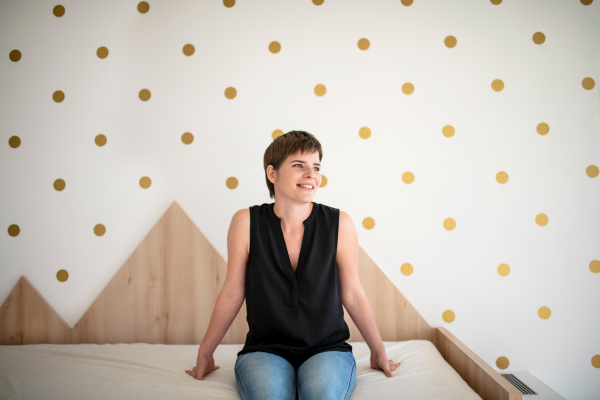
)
(142, 332)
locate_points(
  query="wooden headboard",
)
(166, 291)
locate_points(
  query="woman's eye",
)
(317, 168)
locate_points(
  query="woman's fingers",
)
(390, 367)
(194, 373)
(386, 370)
(378, 362)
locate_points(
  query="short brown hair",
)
(286, 145)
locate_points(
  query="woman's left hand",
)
(380, 362)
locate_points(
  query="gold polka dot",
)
(145, 182)
(541, 219)
(143, 7)
(188, 49)
(408, 88)
(58, 96)
(592, 171)
(503, 269)
(448, 316)
(408, 177)
(406, 269)
(144, 95)
(59, 185)
(187, 138)
(502, 177)
(448, 131)
(497, 85)
(58, 11)
(323, 181)
(274, 47)
(450, 41)
(449, 224)
(406, 2)
(586, 2)
(596, 358)
(368, 223)
(364, 132)
(14, 55)
(231, 182)
(539, 38)
(14, 230)
(502, 362)
(595, 266)
(102, 52)
(588, 83)
(230, 92)
(544, 312)
(543, 128)
(276, 133)
(14, 142)
(99, 230)
(363, 43)
(317, 2)
(100, 140)
(320, 90)
(229, 3)
(62, 275)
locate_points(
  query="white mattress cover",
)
(157, 371)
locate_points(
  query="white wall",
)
(455, 177)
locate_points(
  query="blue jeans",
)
(326, 375)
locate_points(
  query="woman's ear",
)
(271, 174)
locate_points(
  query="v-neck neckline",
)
(283, 251)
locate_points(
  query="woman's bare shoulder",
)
(345, 220)
(243, 214)
(240, 225)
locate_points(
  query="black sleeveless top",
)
(294, 315)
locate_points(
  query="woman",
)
(303, 267)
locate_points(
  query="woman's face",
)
(294, 171)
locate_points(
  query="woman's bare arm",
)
(232, 294)
(354, 297)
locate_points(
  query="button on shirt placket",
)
(285, 263)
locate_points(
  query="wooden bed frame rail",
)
(482, 378)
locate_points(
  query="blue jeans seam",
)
(352, 357)
(349, 380)
(240, 382)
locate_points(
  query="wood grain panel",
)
(26, 318)
(482, 378)
(396, 319)
(164, 293)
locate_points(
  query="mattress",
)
(157, 371)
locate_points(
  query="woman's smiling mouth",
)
(306, 187)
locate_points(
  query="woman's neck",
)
(292, 215)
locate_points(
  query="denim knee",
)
(261, 375)
(329, 375)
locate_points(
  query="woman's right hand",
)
(205, 364)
